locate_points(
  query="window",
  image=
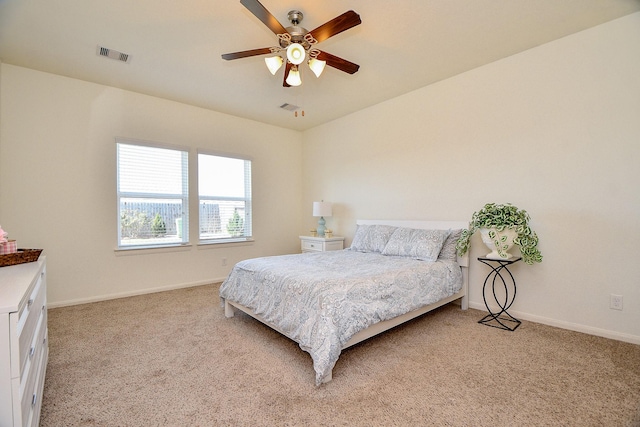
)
(153, 204)
(224, 191)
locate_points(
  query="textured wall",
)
(58, 182)
(553, 130)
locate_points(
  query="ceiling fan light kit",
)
(299, 43)
(293, 79)
(296, 53)
(274, 63)
(317, 66)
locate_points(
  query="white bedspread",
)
(322, 299)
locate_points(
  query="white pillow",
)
(371, 238)
(418, 244)
(449, 251)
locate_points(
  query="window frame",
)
(247, 199)
(183, 197)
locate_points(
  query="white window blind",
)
(224, 191)
(153, 204)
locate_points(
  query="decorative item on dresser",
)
(24, 347)
(7, 246)
(321, 244)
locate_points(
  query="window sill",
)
(224, 243)
(142, 250)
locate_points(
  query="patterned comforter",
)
(321, 299)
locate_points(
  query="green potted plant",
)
(496, 222)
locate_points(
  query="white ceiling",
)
(175, 47)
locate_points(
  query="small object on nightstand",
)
(497, 319)
(321, 244)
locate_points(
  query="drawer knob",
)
(34, 399)
(30, 303)
(32, 352)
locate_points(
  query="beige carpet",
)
(173, 359)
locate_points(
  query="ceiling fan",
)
(299, 43)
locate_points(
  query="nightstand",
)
(321, 244)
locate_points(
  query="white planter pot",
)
(498, 241)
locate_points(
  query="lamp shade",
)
(274, 63)
(296, 53)
(293, 79)
(322, 209)
(317, 66)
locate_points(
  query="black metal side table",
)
(499, 319)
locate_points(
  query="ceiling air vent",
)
(289, 107)
(113, 54)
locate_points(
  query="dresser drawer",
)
(36, 399)
(28, 318)
(29, 392)
(334, 245)
(311, 246)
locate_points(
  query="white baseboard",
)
(131, 293)
(633, 339)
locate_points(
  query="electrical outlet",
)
(224, 261)
(615, 302)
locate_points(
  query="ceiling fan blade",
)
(337, 25)
(264, 15)
(286, 73)
(339, 63)
(246, 53)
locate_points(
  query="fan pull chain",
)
(299, 100)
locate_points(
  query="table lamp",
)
(321, 209)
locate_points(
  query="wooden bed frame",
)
(463, 294)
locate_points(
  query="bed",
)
(394, 271)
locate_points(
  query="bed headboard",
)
(424, 225)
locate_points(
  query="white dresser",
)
(24, 349)
(321, 244)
